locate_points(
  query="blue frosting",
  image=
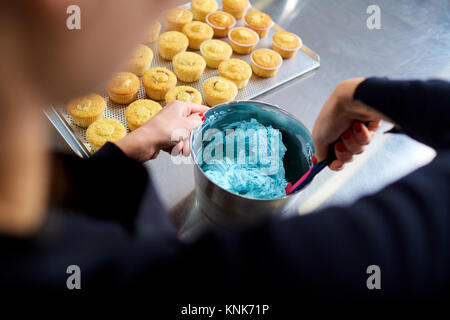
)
(246, 158)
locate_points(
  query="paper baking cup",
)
(243, 44)
(220, 29)
(266, 68)
(293, 49)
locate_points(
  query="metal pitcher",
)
(221, 205)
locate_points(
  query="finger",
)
(186, 148)
(373, 125)
(177, 149)
(195, 120)
(361, 133)
(336, 165)
(155, 155)
(350, 142)
(342, 153)
(191, 108)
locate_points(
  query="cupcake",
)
(123, 88)
(286, 44)
(243, 40)
(221, 22)
(237, 8)
(158, 81)
(266, 62)
(215, 51)
(86, 110)
(184, 93)
(104, 130)
(197, 32)
(171, 43)
(188, 66)
(176, 18)
(219, 90)
(140, 111)
(141, 60)
(259, 22)
(201, 8)
(237, 71)
(153, 33)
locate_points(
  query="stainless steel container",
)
(221, 205)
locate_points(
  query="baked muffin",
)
(197, 32)
(221, 22)
(237, 71)
(104, 130)
(286, 44)
(171, 43)
(123, 88)
(266, 62)
(141, 60)
(153, 33)
(201, 8)
(86, 110)
(243, 40)
(215, 51)
(158, 81)
(184, 93)
(176, 18)
(188, 66)
(140, 111)
(259, 22)
(219, 90)
(237, 8)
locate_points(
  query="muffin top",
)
(258, 20)
(189, 61)
(142, 55)
(236, 4)
(180, 15)
(204, 5)
(86, 107)
(219, 87)
(173, 39)
(159, 78)
(184, 93)
(197, 29)
(286, 40)
(243, 36)
(216, 49)
(124, 83)
(140, 111)
(266, 58)
(221, 19)
(106, 129)
(235, 69)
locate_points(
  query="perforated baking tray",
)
(305, 61)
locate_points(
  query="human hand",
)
(346, 120)
(167, 130)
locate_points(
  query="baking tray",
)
(305, 61)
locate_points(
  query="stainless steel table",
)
(413, 42)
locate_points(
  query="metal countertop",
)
(413, 42)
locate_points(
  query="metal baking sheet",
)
(305, 61)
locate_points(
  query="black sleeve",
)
(420, 108)
(403, 229)
(107, 186)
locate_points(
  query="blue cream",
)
(246, 158)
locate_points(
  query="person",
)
(88, 213)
